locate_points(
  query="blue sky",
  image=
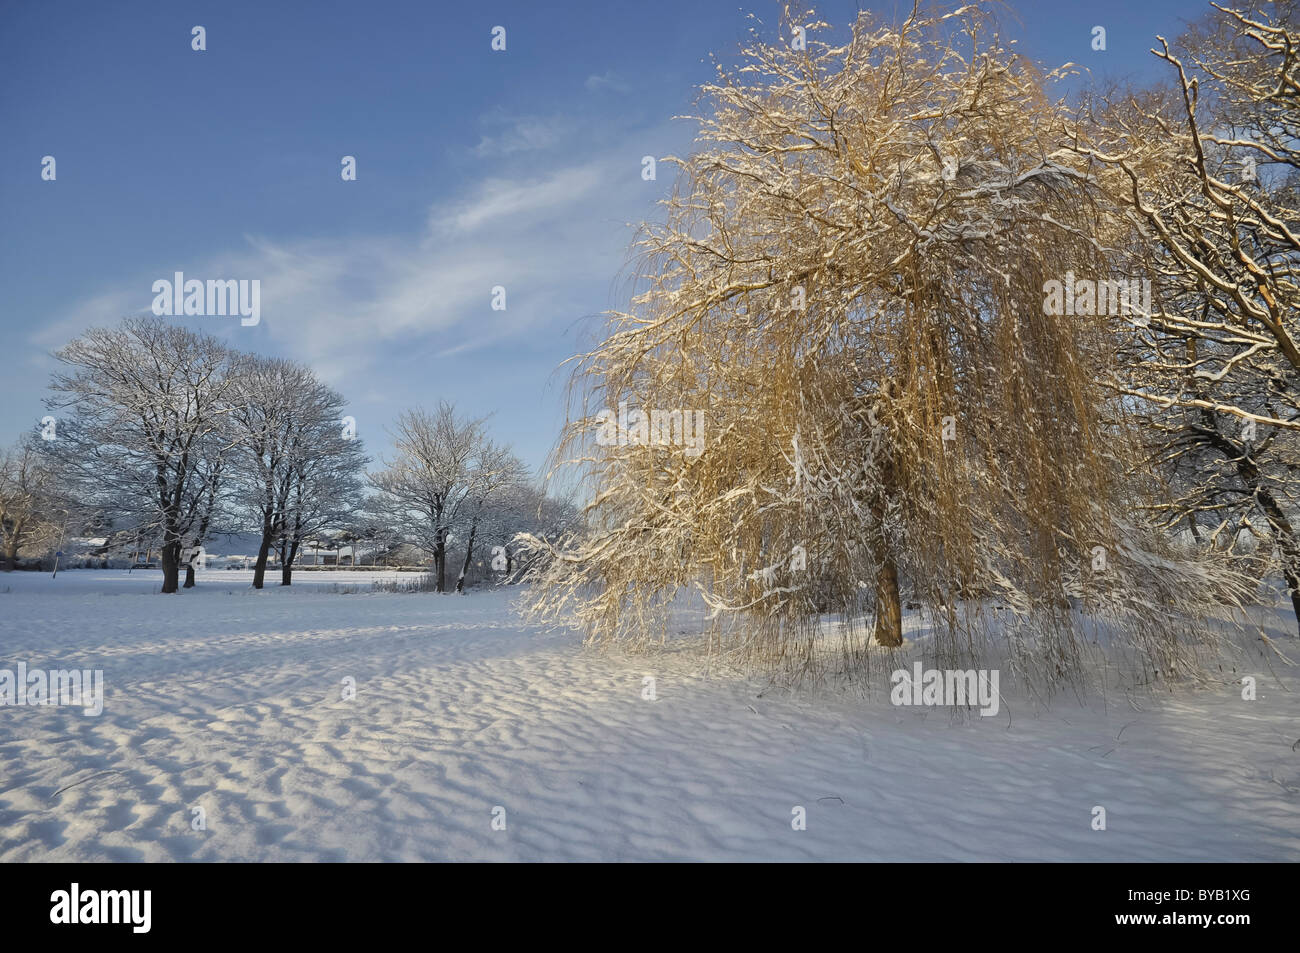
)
(474, 168)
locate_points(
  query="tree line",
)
(168, 435)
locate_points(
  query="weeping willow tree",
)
(848, 293)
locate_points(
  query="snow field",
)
(232, 701)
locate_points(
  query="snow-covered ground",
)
(230, 700)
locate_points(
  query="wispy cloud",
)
(605, 82)
(554, 237)
(516, 202)
(510, 135)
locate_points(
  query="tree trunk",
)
(1287, 543)
(469, 552)
(189, 574)
(440, 562)
(263, 554)
(286, 565)
(171, 565)
(889, 609)
(10, 554)
(1293, 583)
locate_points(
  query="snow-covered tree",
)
(294, 470)
(848, 294)
(326, 487)
(495, 473)
(29, 502)
(527, 511)
(424, 488)
(141, 430)
(1210, 175)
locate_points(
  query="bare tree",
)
(141, 428)
(205, 497)
(494, 474)
(425, 487)
(288, 430)
(28, 502)
(1210, 177)
(325, 488)
(527, 513)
